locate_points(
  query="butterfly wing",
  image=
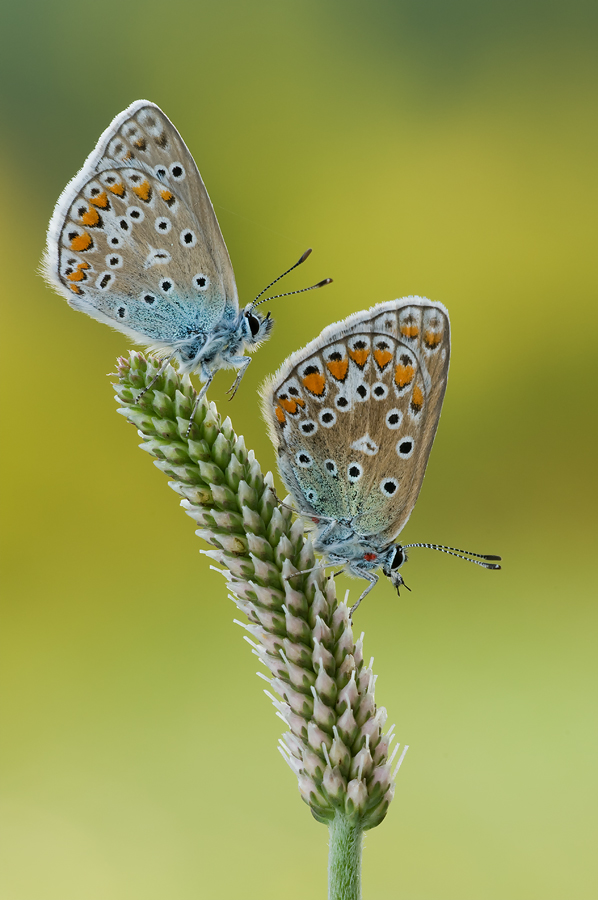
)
(354, 414)
(134, 240)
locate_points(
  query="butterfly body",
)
(134, 242)
(353, 416)
(341, 544)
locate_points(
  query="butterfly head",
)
(394, 558)
(255, 327)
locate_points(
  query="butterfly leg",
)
(160, 371)
(198, 400)
(321, 539)
(369, 576)
(303, 572)
(240, 363)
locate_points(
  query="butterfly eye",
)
(254, 323)
(398, 559)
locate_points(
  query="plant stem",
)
(344, 858)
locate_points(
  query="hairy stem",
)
(344, 858)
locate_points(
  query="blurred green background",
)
(446, 149)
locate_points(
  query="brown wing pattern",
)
(140, 192)
(149, 138)
(356, 411)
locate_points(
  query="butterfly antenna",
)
(301, 291)
(267, 288)
(461, 554)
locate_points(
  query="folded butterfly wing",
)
(134, 240)
(354, 414)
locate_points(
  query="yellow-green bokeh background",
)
(438, 148)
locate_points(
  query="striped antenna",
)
(288, 294)
(461, 554)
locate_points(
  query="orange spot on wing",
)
(166, 196)
(404, 375)
(291, 404)
(144, 191)
(338, 368)
(315, 383)
(101, 200)
(91, 218)
(417, 399)
(75, 289)
(382, 357)
(79, 273)
(432, 339)
(280, 415)
(81, 243)
(359, 357)
(118, 189)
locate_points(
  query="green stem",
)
(344, 859)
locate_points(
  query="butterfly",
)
(134, 242)
(353, 416)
